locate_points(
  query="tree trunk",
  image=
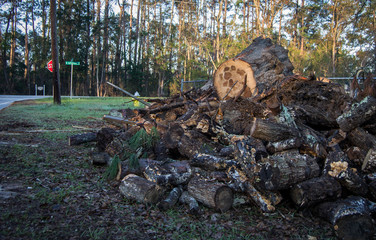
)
(82, 138)
(26, 73)
(283, 170)
(350, 217)
(258, 67)
(271, 131)
(213, 195)
(55, 54)
(140, 189)
(315, 190)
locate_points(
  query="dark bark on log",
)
(362, 139)
(337, 137)
(315, 190)
(282, 170)
(140, 189)
(358, 114)
(314, 142)
(171, 200)
(369, 162)
(175, 173)
(271, 131)
(265, 200)
(100, 158)
(185, 198)
(356, 155)
(104, 137)
(212, 194)
(82, 138)
(350, 217)
(245, 156)
(211, 163)
(293, 143)
(337, 166)
(372, 188)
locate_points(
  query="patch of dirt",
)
(15, 125)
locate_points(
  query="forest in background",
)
(150, 46)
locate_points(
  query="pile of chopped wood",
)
(258, 132)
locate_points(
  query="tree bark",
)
(315, 190)
(140, 189)
(211, 194)
(82, 138)
(55, 54)
(271, 131)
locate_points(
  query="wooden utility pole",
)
(55, 54)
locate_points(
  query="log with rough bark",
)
(337, 166)
(255, 69)
(140, 189)
(82, 138)
(174, 173)
(358, 114)
(271, 131)
(211, 163)
(360, 138)
(350, 217)
(118, 120)
(315, 190)
(292, 143)
(211, 194)
(186, 198)
(171, 200)
(285, 169)
(369, 162)
(104, 137)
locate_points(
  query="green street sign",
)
(72, 63)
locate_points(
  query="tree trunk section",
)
(282, 170)
(258, 67)
(315, 190)
(349, 217)
(82, 138)
(140, 189)
(212, 194)
(358, 114)
(271, 131)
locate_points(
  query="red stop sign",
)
(50, 66)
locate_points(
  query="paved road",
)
(6, 100)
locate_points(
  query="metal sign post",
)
(71, 83)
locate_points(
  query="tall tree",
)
(55, 53)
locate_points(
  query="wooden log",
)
(337, 166)
(314, 143)
(100, 158)
(211, 163)
(292, 143)
(265, 200)
(104, 137)
(360, 138)
(82, 138)
(257, 67)
(171, 200)
(350, 217)
(271, 131)
(283, 170)
(372, 188)
(212, 194)
(140, 189)
(358, 114)
(315, 190)
(245, 156)
(118, 120)
(356, 155)
(193, 206)
(369, 162)
(175, 173)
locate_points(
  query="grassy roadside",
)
(55, 193)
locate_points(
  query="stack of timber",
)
(255, 130)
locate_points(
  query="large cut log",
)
(140, 189)
(254, 70)
(104, 137)
(285, 169)
(211, 194)
(174, 173)
(350, 217)
(358, 114)
(315, 190)
(292, 143)
(369, 162)
(82, 138)
(271, 131)
(337, 166)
